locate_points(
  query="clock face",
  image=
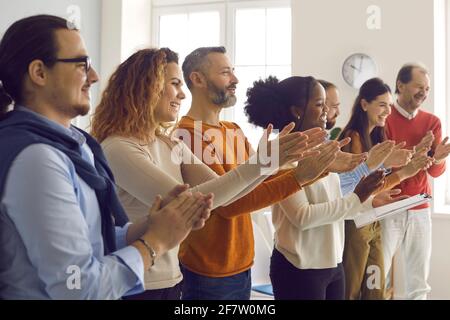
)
(358, 68)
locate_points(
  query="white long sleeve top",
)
(309, 225)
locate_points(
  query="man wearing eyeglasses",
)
(83, 76)
(63, 232)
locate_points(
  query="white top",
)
(309, 225)
(144, 171)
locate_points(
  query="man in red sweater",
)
(411, 231)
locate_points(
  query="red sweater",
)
(399, 128)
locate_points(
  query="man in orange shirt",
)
(411, 230)
(216, 262)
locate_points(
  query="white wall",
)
(136, 21)
(440, 259)
(111, 39)
(90, 10)
(125, 28)
(325, 32)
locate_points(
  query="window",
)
(257, 35)
(262, 47)
(186, 31)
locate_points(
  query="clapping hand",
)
(311, 167)
(419, 162)
(425, 144)
(291, 147)
(442, 151)
(386, 197)
(399, 157)
(379, 153)
(346, 161)
(368, 185)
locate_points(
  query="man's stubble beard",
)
(219, 97)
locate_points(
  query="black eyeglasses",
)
(86, 60)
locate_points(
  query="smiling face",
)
(221, 80)
(415, 92)
(68, 85)
(315, 114)
(378, 109)
(168, 106)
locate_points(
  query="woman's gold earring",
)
(298, 117)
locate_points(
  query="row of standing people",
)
(316, 190)
(375, 245)
(315, 215)
(65, 233)
(216, 261)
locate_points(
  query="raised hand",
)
(346, 161)
(442, 151)
(368, 185)
(200, 220)
(379, 153)
(399, 157)
(208, 200)
(311, 167)
(386, 197)
(172, 194)
(316, 136)
(291, 147)
(283, 147)
(425, 144)
(170, 225)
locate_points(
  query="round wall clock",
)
(358, 68)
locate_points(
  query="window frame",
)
(157, 12)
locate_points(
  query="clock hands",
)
(360, 65)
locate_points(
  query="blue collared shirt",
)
(50, 239)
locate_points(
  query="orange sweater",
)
(356, 146)
(225, 246)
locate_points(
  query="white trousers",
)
(409, 231)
